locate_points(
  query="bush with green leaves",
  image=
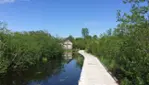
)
(19, 50)
(125, 50)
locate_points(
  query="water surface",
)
(55, 72)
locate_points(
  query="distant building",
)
(67, 44)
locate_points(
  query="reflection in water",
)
(35, 73)
(55, 72)
(67, 55)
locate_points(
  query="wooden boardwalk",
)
(93, 72)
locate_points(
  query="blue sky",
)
(61, 17)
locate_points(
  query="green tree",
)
(95, 37)
(71, 38)
(125, 50)
(85, 32)
(109, 32)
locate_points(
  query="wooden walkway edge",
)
(93, 72)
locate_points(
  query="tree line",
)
(19, 50)
(124, 50)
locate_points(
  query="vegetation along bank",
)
(19, 50)
(124, 50)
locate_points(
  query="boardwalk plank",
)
(93, 72)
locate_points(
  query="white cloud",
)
(6, 1)
(10, 1)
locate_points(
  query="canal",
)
(56, 72)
